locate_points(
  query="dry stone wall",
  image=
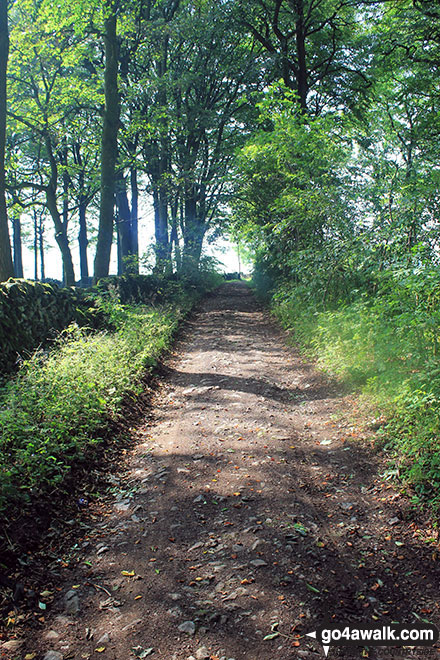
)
(33, 313)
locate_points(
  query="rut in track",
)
(246, 503)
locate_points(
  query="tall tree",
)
(309, 45)
(6, 264)
(109, 144)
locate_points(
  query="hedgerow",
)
(54, 413)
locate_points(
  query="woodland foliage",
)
(340, 202)
(307, 129)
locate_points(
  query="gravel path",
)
(249, 508)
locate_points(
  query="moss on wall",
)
(32, 313)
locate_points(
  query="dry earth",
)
(247, 502)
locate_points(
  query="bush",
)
(55, 411)
(387, 346)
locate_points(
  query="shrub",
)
(386, 345)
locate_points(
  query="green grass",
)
(54, 413)
(386, 347)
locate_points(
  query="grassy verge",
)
(386, 346)
(55, 412)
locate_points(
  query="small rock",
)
(394, 521)
(104, 639)
(256, 544)
(71, 602)
(202, 653)
(199, 499)
(62, 620)
(122, 506)
(13, 645)
(196, 546)
(104, 548)
(52, 635)
(175, 611)
(175, 596)
(258, 563)
(53, 655)
(188, 627)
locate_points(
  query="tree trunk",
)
(134, 218)
(35, 247)
(194, 233)
(160, 229)
(83, 242)
(124, 225)
(52, 206)
(163, 167)
(301, 74)
(109, 145)
(60, 237)
(174, 235)
(18, 250)
(118, 253)
(41, 246)
(6, 264)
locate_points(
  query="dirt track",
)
(247, 503)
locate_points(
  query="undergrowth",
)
(385, 344)
(54, 413)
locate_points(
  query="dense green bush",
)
(386, 344)
(55, 411)
(51, 411)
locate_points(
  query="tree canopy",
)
(307, 126)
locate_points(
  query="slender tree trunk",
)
(135, 217)
(119, 252)
(301, 75)
(35, 247)
(109, 144)
(124, 224)
(193, 234)
(41, 246)
(61, 237)
(52, 206)
(174, 235)
(163, 160)
(17, 243)
(63, 158)
(83, 241)
(160, 228)
(6, 264)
